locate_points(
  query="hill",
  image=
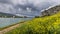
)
(51, 10)
(43, 25)
(7, 15)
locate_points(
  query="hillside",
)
(43, 25)
(51, 10)
(7, 15)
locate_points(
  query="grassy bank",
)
(11, 25)
(44, 25)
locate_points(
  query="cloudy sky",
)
(26, 7)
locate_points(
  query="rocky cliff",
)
(50, 10)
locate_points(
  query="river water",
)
(10, 21)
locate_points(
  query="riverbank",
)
(11, 25)
(9, 28)
(44, 25)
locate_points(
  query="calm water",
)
(10, 21)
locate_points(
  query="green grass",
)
(44, 25)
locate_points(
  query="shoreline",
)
(11, 27)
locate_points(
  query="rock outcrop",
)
(50, 11)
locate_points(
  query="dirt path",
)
(9, 29)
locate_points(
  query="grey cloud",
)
(35, 9)
(14, 6)
(4, 1)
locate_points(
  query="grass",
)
(44, 25)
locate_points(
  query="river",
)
(10, 21)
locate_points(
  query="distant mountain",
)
(7, 15)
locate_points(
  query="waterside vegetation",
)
(43, 25)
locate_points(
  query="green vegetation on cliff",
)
(44, 25)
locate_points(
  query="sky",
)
(26, 7)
